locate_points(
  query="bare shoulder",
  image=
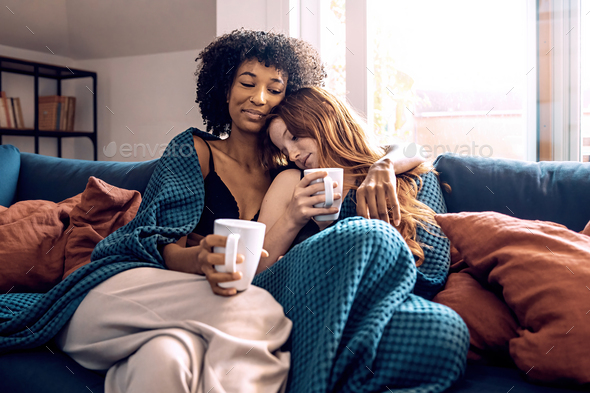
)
(278, 196)
(283, 185)
(289, 177)
(203, 154)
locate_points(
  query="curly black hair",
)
(219, 61)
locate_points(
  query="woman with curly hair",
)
(161, 329)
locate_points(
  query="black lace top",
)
(219, 201)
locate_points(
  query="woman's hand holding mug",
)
(207, 259)
(301, 208)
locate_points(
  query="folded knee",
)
(170, 352)
(451, 336)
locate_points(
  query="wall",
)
(149, 95)
(253, 14)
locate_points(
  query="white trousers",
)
(164, 331)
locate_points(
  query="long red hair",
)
(342, 141)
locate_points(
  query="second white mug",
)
(334, 175)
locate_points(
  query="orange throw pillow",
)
(102, 210)
(490, 322)
(32, 240)
(543, 271)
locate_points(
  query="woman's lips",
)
(305, 161)
(253, 115)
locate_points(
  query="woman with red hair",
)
(361, 286)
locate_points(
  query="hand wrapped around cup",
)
(334, 175)
(243, 237)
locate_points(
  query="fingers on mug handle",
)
(218, 259)
(223, 291)
(212, 240)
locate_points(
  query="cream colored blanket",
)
(225, 344)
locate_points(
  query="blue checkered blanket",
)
(357, 325)
(358, 322)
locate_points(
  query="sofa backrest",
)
(56, 179)
(557, 191)
(548, 191)
(9, 169)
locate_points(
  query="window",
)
(504, 80)
(333, 44)
(450, 76)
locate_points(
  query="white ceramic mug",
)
(334, 175)
(243, 237)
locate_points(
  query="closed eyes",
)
(273, 91)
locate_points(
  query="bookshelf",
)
(59, 73)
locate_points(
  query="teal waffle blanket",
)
(357, 326)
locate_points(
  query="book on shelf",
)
(3, 113)
(21, 120)
(57, 113)
(11, 114)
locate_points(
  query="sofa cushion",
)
(43, 241)
(102, 210)
(490, 321)
(55, 179)
(33, 237)
(541, 270)
(548, 191)
(10, 164)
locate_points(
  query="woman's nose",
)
(259, 97)
(293, 155)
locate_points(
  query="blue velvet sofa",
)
(551, 191)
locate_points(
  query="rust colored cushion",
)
(542, 269)
(32, 240)
(102, 210)
(490, 322)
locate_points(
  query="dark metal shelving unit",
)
(41, 70)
